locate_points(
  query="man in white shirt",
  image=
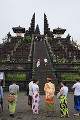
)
(30, 94)
(13, 89)
(76, 88)
(45, 62)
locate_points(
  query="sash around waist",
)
(13, 93)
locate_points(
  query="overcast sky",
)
(62, 13)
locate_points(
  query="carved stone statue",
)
(54, 58)
(12, 53)
(69, 54)
(59, 42)
(74, 59)
(8, 58)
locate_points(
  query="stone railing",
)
(65, 66)
(51, 55)
(16, 66)
(31, 49)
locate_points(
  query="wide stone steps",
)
(41, 73)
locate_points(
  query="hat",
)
(38, 59)
(48, 78)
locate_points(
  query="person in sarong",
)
(1, 97)
(36, 97)
(38, 63)
(13, 90)
(49, 98)
(63, 100)
(76, 88)
(30, 94)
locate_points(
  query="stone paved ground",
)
(23, 112)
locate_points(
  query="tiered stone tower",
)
(31, 29)
(46, 27)
(37, 31)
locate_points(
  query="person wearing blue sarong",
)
(76, 88)
(1, 97)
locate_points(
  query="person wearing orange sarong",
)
(49, 98)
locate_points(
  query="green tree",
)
(49, 39)
(27, 39)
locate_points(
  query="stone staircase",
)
(41, 73)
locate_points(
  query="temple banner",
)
(1, 75)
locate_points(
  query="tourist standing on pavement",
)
(76, 88)
(49, 99)
(30, 94)
(1, 97)
(36, 97)
(63, 100)
(13, 90)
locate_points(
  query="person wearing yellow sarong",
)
(13, 90)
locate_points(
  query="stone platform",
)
(23, 111)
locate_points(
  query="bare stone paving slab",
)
(23, 111)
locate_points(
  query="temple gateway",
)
(19, 54)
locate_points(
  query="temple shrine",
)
(18, 56)
(18, 30)
(58, 32)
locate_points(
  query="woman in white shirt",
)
(35, 101)
(63, 100)
(76, 88)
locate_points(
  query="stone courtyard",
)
(23, 111)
